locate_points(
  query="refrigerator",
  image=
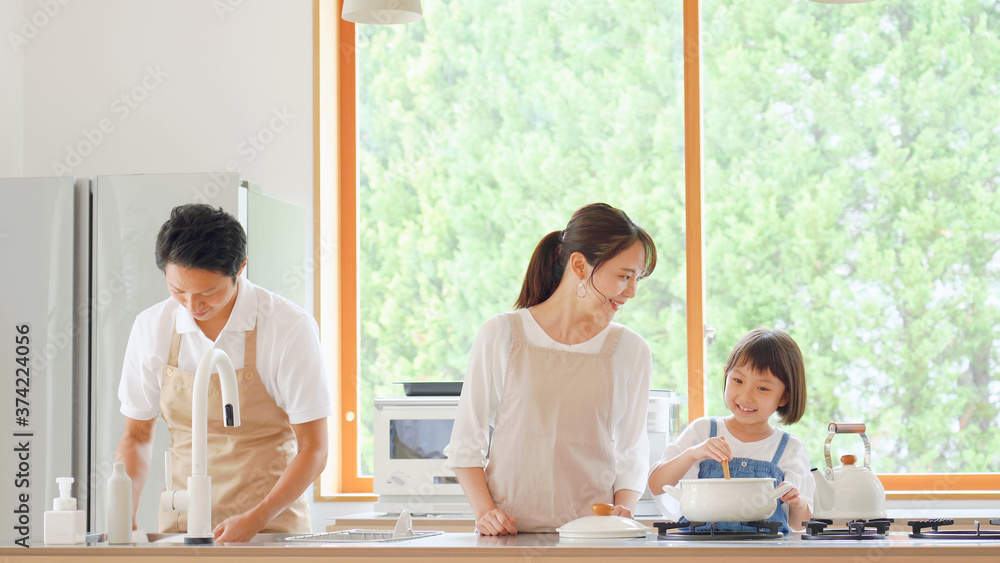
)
(77, 262)
(43, 318)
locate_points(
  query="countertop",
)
(504, 549)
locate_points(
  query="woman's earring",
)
(581, 288)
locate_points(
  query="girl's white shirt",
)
(632, 364)
(794, 461)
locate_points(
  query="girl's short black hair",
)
(774, 350)
(202, 237)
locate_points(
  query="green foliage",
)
(851, 176)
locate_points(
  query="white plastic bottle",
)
(64, 524)
(119, 506)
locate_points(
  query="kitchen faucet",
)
(197, 499)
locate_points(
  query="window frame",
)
(335, 218)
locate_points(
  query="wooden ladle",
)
(725, 464)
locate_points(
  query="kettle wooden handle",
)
(602, 509)
(847, 427)
(835, 428)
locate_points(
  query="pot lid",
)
(592, 527)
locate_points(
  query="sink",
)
(265, 537)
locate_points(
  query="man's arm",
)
(135, 448)
(304, 468)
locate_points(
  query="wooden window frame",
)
(335, 199)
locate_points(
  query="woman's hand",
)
(490, 520)
(496, 522)
(622, 511)
(713, 448)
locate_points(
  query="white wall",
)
(11, 90)
(147, 86)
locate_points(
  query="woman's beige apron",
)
(552, 454)
(245, 461)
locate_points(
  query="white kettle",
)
(848, 492)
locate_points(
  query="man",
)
(261, 468)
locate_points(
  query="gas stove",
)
(819, 529)
(686, 531)
(932, 529)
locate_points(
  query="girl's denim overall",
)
(746, 467)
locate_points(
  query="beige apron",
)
(245, 461)
(552, 453)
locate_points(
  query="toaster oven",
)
(410, 434)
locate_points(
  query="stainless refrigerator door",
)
(276, 245)
(40, 321)
(128, 213)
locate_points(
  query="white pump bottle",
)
(64, 524)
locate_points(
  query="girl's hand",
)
(713, 448)
(496, 522)
(793, 499)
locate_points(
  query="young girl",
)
(764, 374)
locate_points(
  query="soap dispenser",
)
(64, 524)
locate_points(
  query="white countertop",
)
(509, 549)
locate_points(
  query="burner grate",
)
(874, 529)
(931, 529)
(686, 531)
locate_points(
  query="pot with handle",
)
(740, 499)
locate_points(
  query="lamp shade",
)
(382, 11)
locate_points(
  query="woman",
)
(564, 388)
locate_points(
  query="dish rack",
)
(361, 536)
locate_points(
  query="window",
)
(852, 199)
(482, 128)
(848, 199)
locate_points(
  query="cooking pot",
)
(740, 499)
(602, 525)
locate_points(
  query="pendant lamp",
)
(382, 11)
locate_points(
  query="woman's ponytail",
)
(545, 271)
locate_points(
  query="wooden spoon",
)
(725, 464)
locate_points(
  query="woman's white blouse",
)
(632, 365)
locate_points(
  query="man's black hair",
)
(202, 237)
